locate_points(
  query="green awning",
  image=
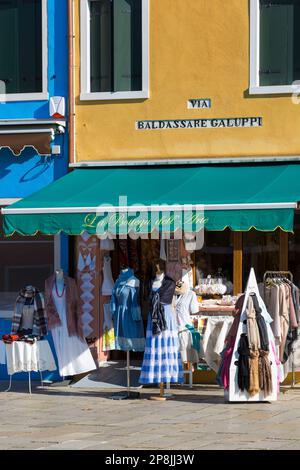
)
(240, 197)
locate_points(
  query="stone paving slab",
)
(83, 419)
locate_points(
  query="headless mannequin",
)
(157, 283)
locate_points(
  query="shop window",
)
(23, 30)
(294, 250)
(114, 59)
(24, 261)
(275, 45)
(215, 258)
(261, 252)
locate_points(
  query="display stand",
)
(163, 396)
(129, 394)
(234, 394)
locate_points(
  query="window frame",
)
(255, 88)
(42, 95)
(85, 92)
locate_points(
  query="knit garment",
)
(252, 327)
(265, 373)
(243, 363)
(253, 374)
(261, 324)
(39, 327)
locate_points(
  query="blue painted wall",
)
(23, 175)
(26, 174)
(57, 67)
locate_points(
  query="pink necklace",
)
(56, 290)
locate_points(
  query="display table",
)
(24, 357)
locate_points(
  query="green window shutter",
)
(127, 45)
(9, 71)
(276, 43)
(30, 46)
(101, 54)
(21, 45)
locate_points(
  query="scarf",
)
(252, 327)
(265, 374)
(163, 296)
(253, 374)
(261, 324)
(39, 327)
(243, 363)
(157, 315)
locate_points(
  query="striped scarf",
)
(39, 318)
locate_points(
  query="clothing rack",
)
(283, 275)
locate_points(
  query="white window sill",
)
(6, 98)
(274, 90)
(120, 95)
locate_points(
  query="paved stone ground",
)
(67, 418)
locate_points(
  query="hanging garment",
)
(252, 327)
(159, 298)
(108, 282)
(217, 329)
(243, 363)
(107, 244)
(185, 306)
(126, 311)
(162, 360)
(109, 343)
(73, 354)
(162, 252)
(30, 296)
(273, 307)
(261, 324)
(265, 373)
(284, 318)
(253, 373)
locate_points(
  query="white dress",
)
(185, 306)
(108, 282)
(73, 354)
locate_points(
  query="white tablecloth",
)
(24, 357)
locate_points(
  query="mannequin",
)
(64, 319)
(162, 363)
(186, 304)
(128, 323)
(126, 311)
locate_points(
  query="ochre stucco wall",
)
(198, 49)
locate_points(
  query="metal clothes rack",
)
(282, 274)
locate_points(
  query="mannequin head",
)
(181, 288)
(59, 274)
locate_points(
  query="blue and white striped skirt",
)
(162, 359)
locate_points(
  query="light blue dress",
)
(126, 312)
(162, 360)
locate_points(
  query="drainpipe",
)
(71, 81)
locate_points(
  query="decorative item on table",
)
(8, 339)
(212, 287)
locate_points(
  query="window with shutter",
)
(115, 46)
(279, 42)
(21, 68)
